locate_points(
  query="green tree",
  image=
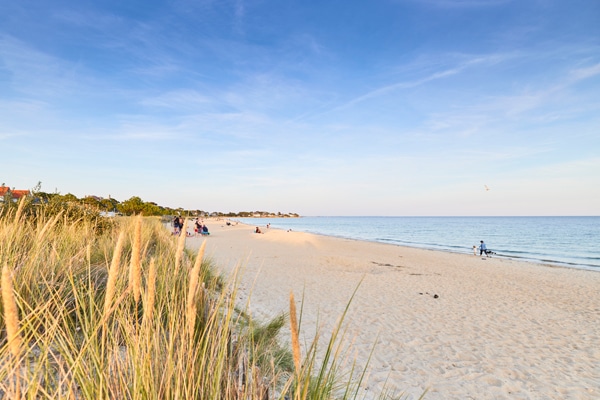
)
(134, 205)
(151, 209)
(109, 204)
(69, 198)
(91, 201)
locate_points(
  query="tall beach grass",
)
(126, 312)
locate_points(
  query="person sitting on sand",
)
(257, 230)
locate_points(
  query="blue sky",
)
(382, 107)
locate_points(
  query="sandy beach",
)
(457, 325)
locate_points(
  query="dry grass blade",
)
(47, 227)
(150, 294)
(135, 267)
(113, 273)
(191, 297)
(11, 313)
(20, 210)
(180, 245)
(295, 336)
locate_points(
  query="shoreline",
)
(545, 263)
(497, 329)
(560, 260)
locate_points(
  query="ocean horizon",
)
(570, 241)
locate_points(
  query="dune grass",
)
(125, 312)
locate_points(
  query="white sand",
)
(499, 329)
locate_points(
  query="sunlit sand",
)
(460, 326)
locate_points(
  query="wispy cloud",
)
(33, 72)
(180, 100)
(463, 3)
(9, 135)
(580, 74)
(239, 13)
(443, 73)
(88, 19)
(536, 98)
(400, 85)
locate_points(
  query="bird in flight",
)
(486, 188)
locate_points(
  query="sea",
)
(564, 241)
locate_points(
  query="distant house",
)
(13, 194)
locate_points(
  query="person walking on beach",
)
(482, 248)
(176, 225)
(181, 224)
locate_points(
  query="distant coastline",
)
(273, 216)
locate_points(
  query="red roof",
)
(16, 194)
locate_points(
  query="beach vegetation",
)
(132, 206)
(122, 310)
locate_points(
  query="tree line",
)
(132, 206)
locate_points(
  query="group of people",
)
(200, 228)
(482, 249)
(179, 226)
(257, 230)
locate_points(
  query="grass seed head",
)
(295, 335)
(113, 273)
(135, 267)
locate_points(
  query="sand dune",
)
(460, 326)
